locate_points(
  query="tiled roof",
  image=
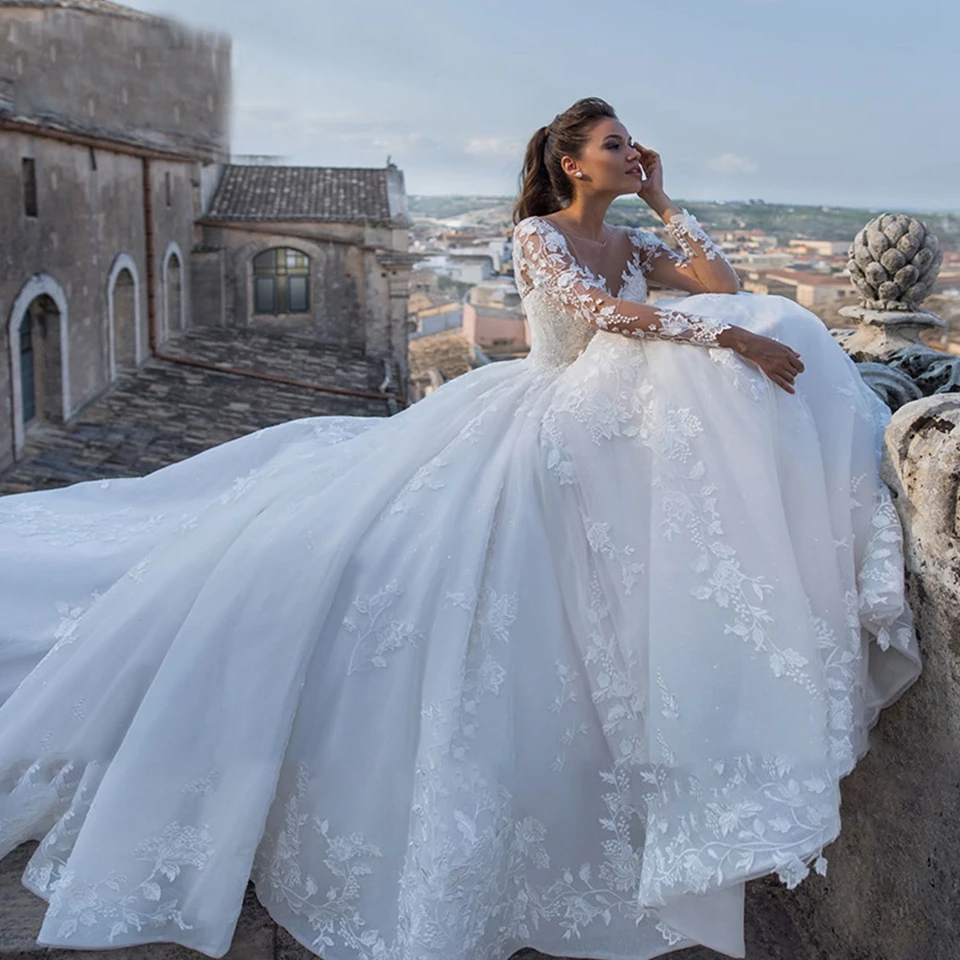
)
(159, 414)
(448, 352)
(85, 6)
(810, 278)
(338, 194)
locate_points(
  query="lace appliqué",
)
(543, 260)
(377, 635)
(684, 228)
(348, 860)
(600, 540)
(77, 904)
(424, 478)
(746, 378)
(34, 520)
(703, 330)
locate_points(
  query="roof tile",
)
(339, 194)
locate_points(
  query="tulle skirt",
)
(557, 657)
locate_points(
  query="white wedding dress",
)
(560, 656)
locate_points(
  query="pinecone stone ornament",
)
(894, 262)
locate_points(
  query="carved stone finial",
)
(894, 262)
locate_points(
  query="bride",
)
(561, 656)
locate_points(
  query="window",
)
(281, 282)
(168, 186)
(29, 170)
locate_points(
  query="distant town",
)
(465, 309)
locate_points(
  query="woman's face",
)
(609, 162)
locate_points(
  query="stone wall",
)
(358, 297)
(97, 89)
(208, 287)
(174, 203)
(90, 212)
(893, 884)
(128, 77)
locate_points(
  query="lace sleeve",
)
(692, 238)
(543, 261)
(661, 263)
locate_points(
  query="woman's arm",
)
(702, 269)
(542, 260)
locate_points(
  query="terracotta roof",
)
(338, 194)
(810, 278)
(448, 352)
(85, 6)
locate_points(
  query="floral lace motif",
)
(686, 230)
(750, 814)
(377, 635)
(466, 887)
(543, 261)
(48, 526)
(90, 904)
(108, 903)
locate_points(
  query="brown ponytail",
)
(544, 187)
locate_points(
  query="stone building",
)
(123, 222)
(110, 123)
(313, 249)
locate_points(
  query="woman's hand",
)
(652, 185)
(778, 361)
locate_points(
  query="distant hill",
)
(785, 221)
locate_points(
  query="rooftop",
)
(810, 278)
(163, 412)
(448, 352)
(333, 194)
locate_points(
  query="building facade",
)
(122, 221)
(109, 119)
(320, 250)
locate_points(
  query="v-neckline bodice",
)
(632, 268)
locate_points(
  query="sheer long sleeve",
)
(692, 239)
(668, 268)
(543, 261)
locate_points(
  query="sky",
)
(838, 102)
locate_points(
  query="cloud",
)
(732, 163)
(495, 147)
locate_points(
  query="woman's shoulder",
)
(541, 231)
(532, 224)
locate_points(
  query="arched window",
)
(281, 282)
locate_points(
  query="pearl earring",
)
(579, 173)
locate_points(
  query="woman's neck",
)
(585, 218)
